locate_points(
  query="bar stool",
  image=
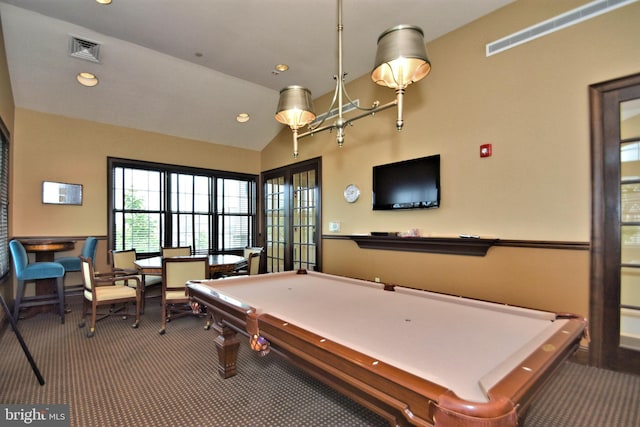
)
(26, 272)
(72, 263)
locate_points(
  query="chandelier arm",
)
(326, 115)
(371, 111)
(313, 131)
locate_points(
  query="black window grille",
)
(157, 205)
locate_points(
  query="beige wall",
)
(553, 280)
(531, 103)
(55, 148)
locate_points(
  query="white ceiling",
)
(187, 67)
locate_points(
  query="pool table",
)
(414, 357)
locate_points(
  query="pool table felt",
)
(462, 344)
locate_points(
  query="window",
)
(4, 200)
(154, 205)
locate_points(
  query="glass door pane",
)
(275, 223)
(304, 216)
(630, 224)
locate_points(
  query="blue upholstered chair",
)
(27, 272)
(72, 263)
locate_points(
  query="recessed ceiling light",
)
(243, 117)
(103, 1)
(87, 79)
(282, 67)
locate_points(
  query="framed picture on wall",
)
(61, 193)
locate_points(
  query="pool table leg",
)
(227, 345)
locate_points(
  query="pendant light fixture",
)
(401, 59)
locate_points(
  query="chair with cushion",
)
(253, 263)
(176, 251)
(176, 272)
(124, 261)
(253, 256)
(28, 272)
(72, 263)
(108, 289)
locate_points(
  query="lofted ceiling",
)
(187, 67)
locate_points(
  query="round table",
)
(45, 249)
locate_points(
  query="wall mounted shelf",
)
(441, 245)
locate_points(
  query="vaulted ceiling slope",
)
(186, 68)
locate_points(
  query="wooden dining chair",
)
(124, 261)
(253, 263)
(176, 251)
(253, 256)
(108, 289)
(176, 272)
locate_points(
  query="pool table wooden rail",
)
(400, 397)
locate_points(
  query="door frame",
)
(287, 172)
(604, 292)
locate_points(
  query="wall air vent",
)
(84, 49)
(575, 16)
(334, 113)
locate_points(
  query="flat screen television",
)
(409, 184)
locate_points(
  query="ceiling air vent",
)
(84, 49)
(588, 11)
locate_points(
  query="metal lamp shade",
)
(401, 58)
(295, 107)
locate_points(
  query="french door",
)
(292, 217)
(615, 241)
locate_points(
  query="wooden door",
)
(291, 217)
(615, 240)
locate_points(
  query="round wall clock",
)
(351, 193)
